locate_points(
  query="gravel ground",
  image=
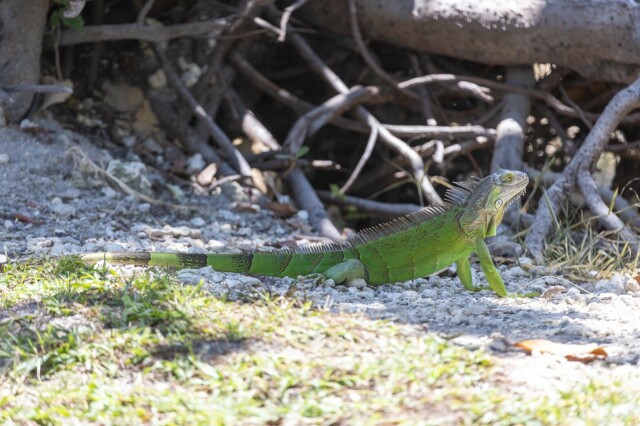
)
(65, 211)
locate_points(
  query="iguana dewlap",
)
(409, 247)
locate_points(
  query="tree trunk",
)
(21, 27)
(597, 38)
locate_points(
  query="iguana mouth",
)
(516, 197)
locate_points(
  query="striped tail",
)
(165, 260)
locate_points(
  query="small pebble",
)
(198, 222)
(4, 158)
(144, 207)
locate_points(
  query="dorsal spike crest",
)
(454, 197)
(460, 192)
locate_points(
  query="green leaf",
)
(304, 150)
(76, 23)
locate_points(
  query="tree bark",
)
(21, 27)
(597, 38)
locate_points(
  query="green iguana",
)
(412, 246)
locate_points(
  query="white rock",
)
(4, 158)
(631, 285)
(615, 285)
(198, 222)
(109, 192)
(8, 224)
(62, 209)
(357, 283)
(195, 164)
(131, 173)
(476, 310)
(303, 215)
(410, 294)
(525, 262)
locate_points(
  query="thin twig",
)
(369, 206)
(144, 11)
(553, 102)
(37, 88)
(364, 52)
(575, 106)
(251, 126)
(425, 102)
(371, 143)
(623, 146)
(286, 14)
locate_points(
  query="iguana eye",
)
(508, 177)
(498, 203)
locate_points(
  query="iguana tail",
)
(166, 260)
(283, 263)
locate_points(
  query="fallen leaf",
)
(206, 176)
(55, 98)
(552, 291)
(583, 353)
(281, 209)
(259, 181)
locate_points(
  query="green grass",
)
(94, 346)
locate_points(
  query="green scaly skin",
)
(410, 247)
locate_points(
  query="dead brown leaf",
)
(583, 353)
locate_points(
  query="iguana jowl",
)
(412, 246)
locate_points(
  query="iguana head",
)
(487, 200)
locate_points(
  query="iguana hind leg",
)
(347, 270)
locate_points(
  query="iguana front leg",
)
(464, 274)
(493, 277)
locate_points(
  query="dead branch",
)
(627, 212)
(624, 102)
(251, 126)
(136, 31)
(446, 132)
(371, 142)
(308, 200)
(598, 207)
(369, 206)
